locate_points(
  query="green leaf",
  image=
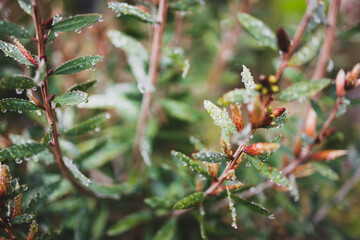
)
(12, 51)
(349, 32)
(82, 86)
(25, 5)
(76, 172)
(302, 90)
(130, 10)
(325, 171)
(179, 110)
(212, 157)
(159, 202)
(71, 98)
(187, 5)
(192, 200)
(247, 79)
(167, 231)
(107, 191)
(220, 117)
(128, 223)
(137, 57)
(279, 121)
(78, 64)
(17, 82)
(25, 218)
(252, 206)
(76, 22)
(202, 223)
(90, 125)
(190, 163)
(48, 136)
(309, 51)
(11, 29)
(17, 104)
(317, 109)
(21, 151)
(238, 95)
(175, 56)
(272, 173)
(259, 30)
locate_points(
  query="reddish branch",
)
(152, 79)
(50, 114)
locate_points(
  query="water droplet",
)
(90, 26)
(92, 68)
(34, 88)
(19, 91)
(3, 110)
(272, 217)
(101, 19)
(56, 34)
(97, 129)
(19, 111)
(248, 164)
(18, 161)
(78, 31)
(107, 116)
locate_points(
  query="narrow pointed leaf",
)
(107, 191)
(137, 57)
(212, 157)
(82, 86)
(25, 5)
(175, 57)
(76, 22)
(76, 172)
(17, 104)
(317, 109)
(25, 218)
(252, 206)
(279, 121)
(48, 136)
(167, 231)
(179, 110)
(87, 126)
(17, 82)
(247, 79)
(12, 51)
(220, 117)
(259, 30)
(302, 90)
(128, 223)
(309, 51)
(21, 151)
(78, 64)
(238, 95)
(11, 29)
(193, 165)
(187, 5)
(71, 98)
(272, 173)
(130, 10)
(192, 200)
(325, 171)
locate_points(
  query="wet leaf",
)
(328, 155)
(190, 163)
(128, 223)
(317, 109)
(21, 151)
(17, 82)
(25, 218)
(25, 5)
(107, 191)
(252, 206)
(238, 95)
(137, 57)
(212, 157)
(92, 124)
(78, 64)
(76, 172)
(192, 200)
(12, 51)
(11, 29)
(279, 121)
(272, 173)
(247, 79)
(179, 110)
(302, 90)
(76, 22)
(325, 171)
(259, 30)
(125, 9)
(220, 117)
(71, 98)
(187, 5)
(167, 231)
(175, 57)
(17, 104)
(82, 86)
(48, 136)
(309, 51)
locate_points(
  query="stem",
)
(226, 48)
(50, 114)
(152, 78)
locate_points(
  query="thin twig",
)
(344, 190)
(50, 114)
(152, 78)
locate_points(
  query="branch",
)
(152, 78)
(50, 114)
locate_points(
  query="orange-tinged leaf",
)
(260, 148)
(328, 155)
